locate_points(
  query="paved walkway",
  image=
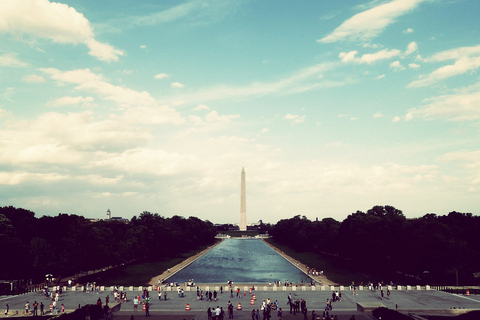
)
(418, 302)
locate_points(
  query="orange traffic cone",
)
(239, 306)
(187, 308)
(252, 301)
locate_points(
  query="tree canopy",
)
(383, 241)
(67, 244)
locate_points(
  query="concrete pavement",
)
(413, 301)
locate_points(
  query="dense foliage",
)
(383, 241)
(65, 245)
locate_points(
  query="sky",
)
(330, 106)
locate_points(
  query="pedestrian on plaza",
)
(41, 309)
(147, 310)
(209, 313)
(165, 295)
(257, 315)
(222, 314)
(280, 314)
(54, 305)
(388, 294)
(135, 304)
(27, 307)
(7, 307)
(63, 308)
(230, 310)
(35, 308)
(313, 315)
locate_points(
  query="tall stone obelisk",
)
(243, 203)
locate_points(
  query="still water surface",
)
(242, 261)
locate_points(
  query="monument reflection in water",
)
(242, 261)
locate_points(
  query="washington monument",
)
(243, 204)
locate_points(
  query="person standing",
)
(35, 308)
(41, 309)
(27, 307)
(217, 313)
(230, 310)
(135, 304)
(165, 295)
(147, 310)
(7, 307)
(209, 313)
(280, 314)
(63, 308)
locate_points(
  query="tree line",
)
(68, 244)
(382, 241)
(431, 249)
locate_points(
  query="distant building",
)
(110, 218)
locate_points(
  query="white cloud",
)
(161, 76)
(194, 12)
(381, 76)
(143, 46)
(370, 23)
(295, 118)
(466, 59)
(55, 21)
(8, 94)
(368, 58)
(10, 59)
(380, 55)
(33, 78)
(378, 115)
(413, 65)
(213, 116)
(67, 101)
(460, 106)
(177, 85)
(348, 56)
(306, 79)
(396, 119)
(408, 30)
(141, 106)
(412, 47)
(201, 107)
(397, 65)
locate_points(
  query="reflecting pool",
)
(242, 261)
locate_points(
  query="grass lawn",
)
(137, 274)
(341, 272)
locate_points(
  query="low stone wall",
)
(246, 288)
